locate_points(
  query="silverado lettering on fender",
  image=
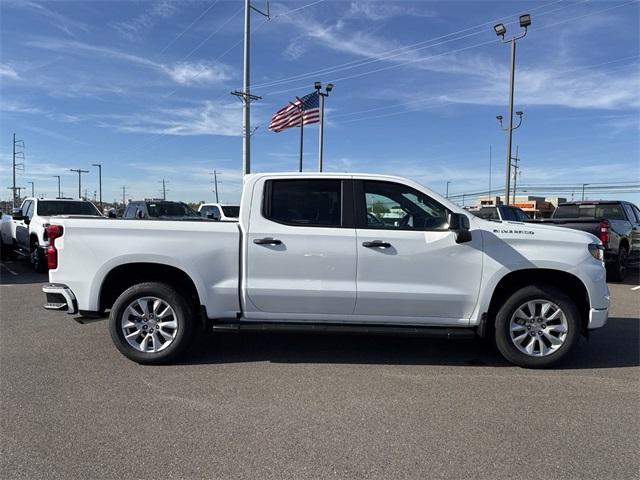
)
(332, 252)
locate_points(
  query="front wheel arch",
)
(567, 283)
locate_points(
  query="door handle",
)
(267, 241)
(376, 244)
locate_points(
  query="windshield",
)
(170, 209)
(612, 211)
(487, 213)
(47, 208)
(231, 211)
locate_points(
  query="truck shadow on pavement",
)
(19, 272)
(614, 346)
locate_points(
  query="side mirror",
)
(16, 213)
(459, 224)
(111, 214)
(213, 216)
(26, 220)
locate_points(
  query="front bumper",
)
(60, 297)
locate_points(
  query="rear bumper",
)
(598, 318)
(60, 297)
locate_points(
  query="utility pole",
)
(584, 185)
(32, 189)
(245, 94)
(164, 189)
(79, 172)
(58, 177)
(215, 183)
(447, 194)
(516, 167)
(490, 161)
(85, 194)
(123, 195)
(322, 95)
(500, 29)
(17, 154)
(99, 165)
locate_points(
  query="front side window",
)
(522, 216)
(629, 211)
(304, 203)
(395, 206)
(28, 209)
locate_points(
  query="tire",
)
(38, 258)
(618, 270)
(148, 348)
(548, 335)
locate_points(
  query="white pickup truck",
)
(315, 252)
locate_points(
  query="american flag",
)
(289, 116)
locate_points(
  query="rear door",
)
(410, 269)
(301, 250)
(634, 217)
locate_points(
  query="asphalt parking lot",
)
(291, 406)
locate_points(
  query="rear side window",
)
(207, 209)
(509, 214)
(304, 203)
(611, 211)
(47, 208)
(629, 211)
(487, 213)
(231, 211)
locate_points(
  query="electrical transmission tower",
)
(18, 164)
(164, 189)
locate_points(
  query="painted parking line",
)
(12, 272)
(636, 288)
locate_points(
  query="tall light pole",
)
(99, 165)
(32, 189)
(322, 95)
(58, 177)
(79, 172)
(447, 194)
(584, 185)
(500, 29)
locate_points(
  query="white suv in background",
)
(220, 211)
(31, 219)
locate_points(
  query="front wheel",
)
(151, 323)
(536, 326)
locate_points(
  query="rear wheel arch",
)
(567, 283)
(124, 276)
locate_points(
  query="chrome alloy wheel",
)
(538, 328)
(149, 324)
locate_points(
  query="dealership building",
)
(534, 206)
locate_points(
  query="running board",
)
(434, 332)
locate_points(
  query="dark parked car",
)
(615, 223)
(502, 212)
(161, 209)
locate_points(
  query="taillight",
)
(603, 232)
(53, 232)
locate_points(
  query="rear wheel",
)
(151, 323)
(536, 326)
(618, 270)
(38, 258)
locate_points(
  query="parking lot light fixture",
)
(501, 30)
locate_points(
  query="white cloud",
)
(378, 11)
(183, 73)
(210, 118)
(186, 73)
(8, 72)
(58, 20)
(133, 28)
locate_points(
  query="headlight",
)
(597, 251)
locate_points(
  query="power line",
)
(213, 4)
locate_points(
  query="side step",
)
(434, 332)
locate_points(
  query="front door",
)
(301, 254)
(410, 267)
(22, 226)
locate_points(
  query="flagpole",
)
(301, 136)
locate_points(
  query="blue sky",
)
(143, 88)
